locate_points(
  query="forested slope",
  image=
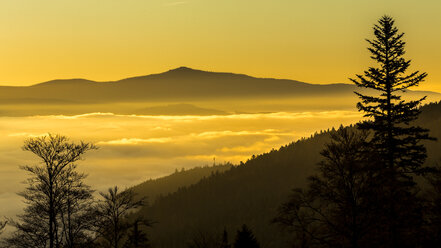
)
(250, 193)
(163, 186)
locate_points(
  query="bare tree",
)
(76, 210)
(113, 216)
(49, 190)
(2, 226)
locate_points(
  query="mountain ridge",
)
(61, 81)
(181, 72)
(228, 92)
(178, 83)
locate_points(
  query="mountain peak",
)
(183, 70)
(187, 72)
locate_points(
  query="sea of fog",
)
(134, 148)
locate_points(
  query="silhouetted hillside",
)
(250, 193)
(181, 85)
(163, 186)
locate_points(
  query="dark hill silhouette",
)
(175, 85)
(163, 186)
(64, 82)
(251, 192)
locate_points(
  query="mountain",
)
(250, 193)
(179, 84)
(213, 90)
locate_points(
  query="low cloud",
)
(189, 118)
(134, 148)
(134, 141)
(28, 135)
(175, 3)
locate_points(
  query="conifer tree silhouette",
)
(245, 239)
(395, 139)
(339, 208)
(137, 238)
(224, 241)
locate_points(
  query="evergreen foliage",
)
(160, 187)
(342, 204)
(224, 242)
(396, 139)
(136, 237)
(249, 193)
(205, 240)
(432, 219)
(245, 239)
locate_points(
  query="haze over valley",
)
(155, 132)
(147, 127)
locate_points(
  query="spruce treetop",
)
(395, 137)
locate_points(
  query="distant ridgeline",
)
(181, 91)
(246, 194)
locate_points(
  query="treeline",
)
(160, 187)
(248, 193)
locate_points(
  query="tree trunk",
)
(51, 211)
(115, 237)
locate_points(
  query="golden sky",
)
(316, 41)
